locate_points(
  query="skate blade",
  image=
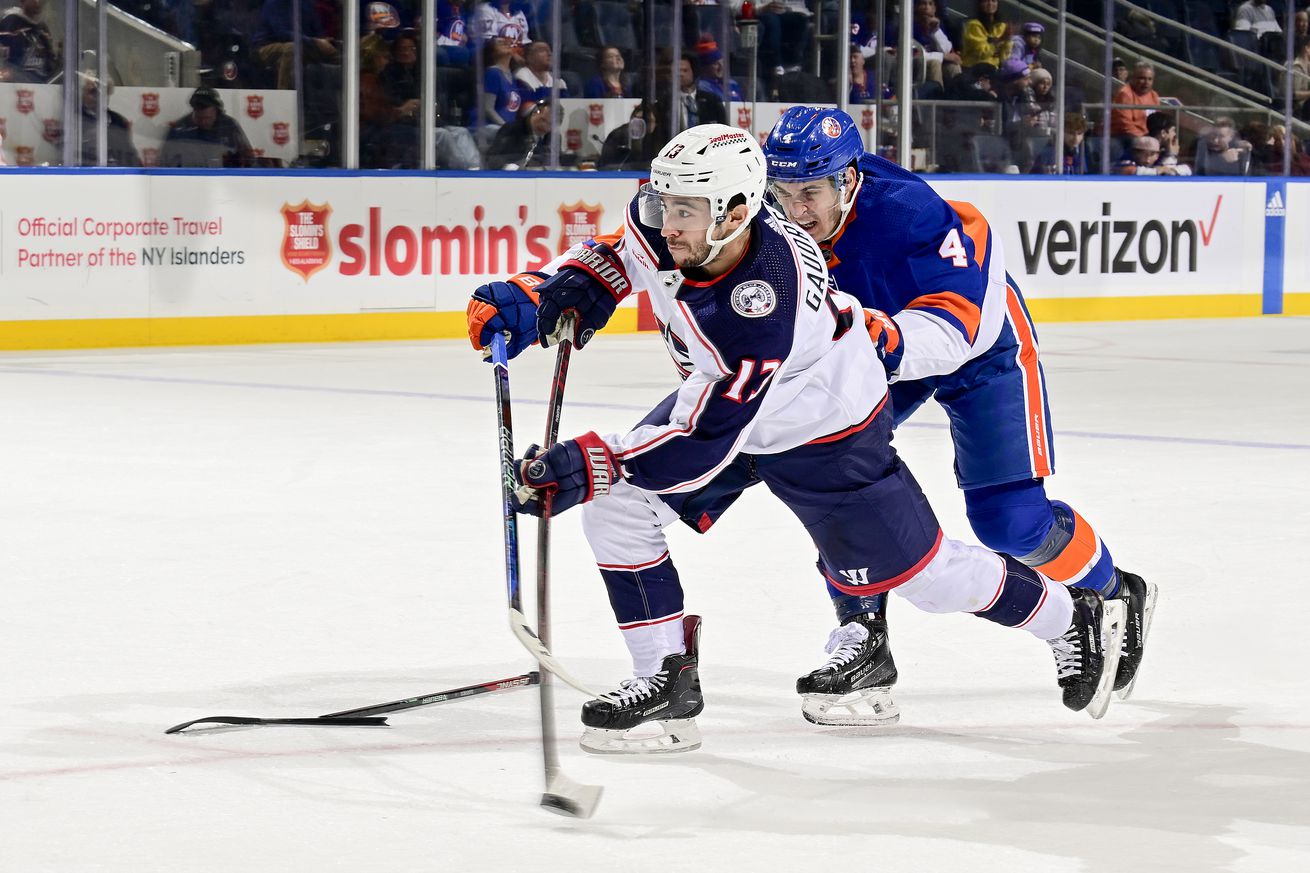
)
(868, 707)
(1113, 626)
(1148, 610)
(676, 735)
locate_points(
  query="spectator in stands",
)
(1074, 158)
(32, 53)
(1301, 79)
(1258, 17)
(974, 84)
(1164, 129)
(1219, 152)
(1027, 46)
(710, 60)
(498, 18)
(452, 34)
(1016, 92)
(501, 100)
(534, 77)
(1119, 71)
(1301, 23)
(388, 123)
(986, 37)
(274, 40)
(1140, 28)
(698, 107)
(119, 148)
(784, 35)
(206, 136)
(1126, 123)
(402, 77)
(610, 81)
(1044, 96)
(631, 146)
(1300, 160)
(1146, 155)
(863, 87)
(941, 62)
(525, 142)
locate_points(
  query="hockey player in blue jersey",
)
(951, 324)
(777, 389)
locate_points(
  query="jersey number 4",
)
(953, 250)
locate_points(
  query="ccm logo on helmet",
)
(784, 165)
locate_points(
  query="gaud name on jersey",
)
(1114, 246)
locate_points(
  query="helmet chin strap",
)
(844, 208)
(716, 245)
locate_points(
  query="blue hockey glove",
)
(579, 299)
(505, 307)
(572, 472)
(886, 336)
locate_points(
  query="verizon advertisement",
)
(1124, 239)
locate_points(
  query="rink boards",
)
(96, 258)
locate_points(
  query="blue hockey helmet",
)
(811, 143)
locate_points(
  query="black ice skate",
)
(1139, 597)
(669, 700)
(855, 686)
(1087, 654)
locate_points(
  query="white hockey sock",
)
(650, 643)
(1055, 613)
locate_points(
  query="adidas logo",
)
(1275, 208)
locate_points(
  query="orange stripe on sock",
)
(1035, 414)
(1076, 556)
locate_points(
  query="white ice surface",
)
(286, 531)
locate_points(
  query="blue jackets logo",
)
(754, 299)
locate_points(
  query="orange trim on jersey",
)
(853, 429)
(975, 226)
(1035, 413)
(833, 260)
(969, 315)
(889, 584)
(1076, 556)
(609, 239)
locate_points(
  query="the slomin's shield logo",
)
(25, 100)
(744, 117)
(255, 105)
(579, 222)
(149, 104)
(281, 132)
(306, 245)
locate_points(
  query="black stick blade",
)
(303, 722)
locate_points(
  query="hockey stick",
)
(518, 622)
(358, 717)
(562, 795)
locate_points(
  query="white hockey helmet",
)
(714, 162)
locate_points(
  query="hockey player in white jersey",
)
(777, 389)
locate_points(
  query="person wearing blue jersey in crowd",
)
(782, 385)
(951, 324)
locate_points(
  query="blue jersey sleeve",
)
(947, 268)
